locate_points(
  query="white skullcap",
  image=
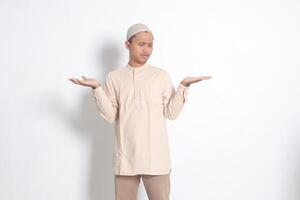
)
(136, 28)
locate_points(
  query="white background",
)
(237, 137)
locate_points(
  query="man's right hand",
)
(89, 82)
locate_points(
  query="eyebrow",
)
(146, 42)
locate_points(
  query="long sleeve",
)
(173, 100)
(105, 98)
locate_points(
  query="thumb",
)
(84, 77)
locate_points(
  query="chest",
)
(141, 88)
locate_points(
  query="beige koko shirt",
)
(139, 100)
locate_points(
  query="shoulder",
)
(159, 70)
(116, 73)
(163, 74)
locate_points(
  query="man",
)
(140, 97)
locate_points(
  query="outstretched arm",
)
(174, 100)
(106, 101)
(105, 97)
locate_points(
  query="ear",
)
(127, 44)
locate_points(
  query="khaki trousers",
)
(157, 186)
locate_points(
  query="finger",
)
(73, 80)
(84, 77)
(207, 77)
(203, 78)
(195, 81)
(78, 81)
(198, 79)
(82, 82)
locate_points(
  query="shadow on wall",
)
(297, 188)
(98, 132)
(101, 173)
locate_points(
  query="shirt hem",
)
(159, 172)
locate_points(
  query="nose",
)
(147, 49)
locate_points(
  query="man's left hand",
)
(190, 79)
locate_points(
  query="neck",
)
(135, 64)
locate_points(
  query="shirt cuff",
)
(97, 90)
(182, 89)
(183, 85)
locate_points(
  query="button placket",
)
(134, 89)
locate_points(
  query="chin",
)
(141, 61)
(144, 59)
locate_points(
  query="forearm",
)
(179, 97)
(106, 108)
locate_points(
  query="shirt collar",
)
(137, 68)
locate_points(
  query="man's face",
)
(141, 47)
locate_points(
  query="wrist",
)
(95, 87)
(184, 84)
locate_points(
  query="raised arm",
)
(105, 98)
(173, 100)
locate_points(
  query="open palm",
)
(89, 82)
(190, 79)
